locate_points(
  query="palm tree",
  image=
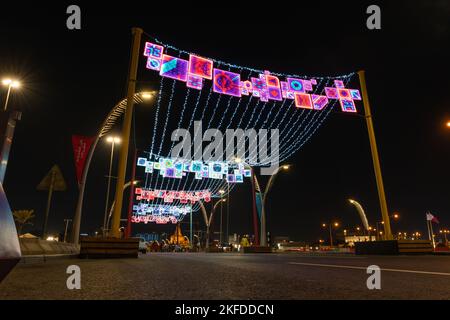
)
(22, 217)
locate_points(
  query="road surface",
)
(233, 276)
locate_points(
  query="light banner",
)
(81, 146)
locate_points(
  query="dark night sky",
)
(73, 78)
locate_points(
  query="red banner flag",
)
(81, 146)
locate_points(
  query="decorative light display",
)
(266, 87)
(160, 214)
(170, 195)
(173, 168)
(265, 100)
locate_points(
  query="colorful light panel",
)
(194, 82)
(295, 85)
(319, 101)
(200, 67)
(153, 50)
(226, 82)
(174, 68)
(331, 93)
(303, 100)
(347, 105)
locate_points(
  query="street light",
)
(221, 192)
(448, 124)
(266, 191)
(112, 140)
(11, 84)
(331, 225)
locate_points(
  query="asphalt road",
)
(233, 276)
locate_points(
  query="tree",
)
(22, 218)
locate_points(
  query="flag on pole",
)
(432, 218)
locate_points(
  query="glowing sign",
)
(174, 68)
(200, 67)
(347, 105)
(153, 50)
(226, 82)
(295, 85)
(331, 93)
(194, 82)
(303, 100)
(319, 102)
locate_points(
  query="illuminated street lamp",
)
(112, 140)
(331, 225)
(11, 84)
(221, 192)
(448, 124)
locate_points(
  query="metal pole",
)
(221, 210)
(331, 236)
(108, 188)
(130, 203)
(375, 158)
(49, 200)
(228, 212)
(137, 32)
(263, 211)
(190, 226)
(7, 97)
(255, 215)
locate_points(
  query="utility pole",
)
(375, 158)
(123, 156)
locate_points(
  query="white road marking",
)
(364, 268)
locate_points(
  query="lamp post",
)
(263, 213)
(209, 221)
(330, 226)
(11, 84)
(112, 141)
(221, 192)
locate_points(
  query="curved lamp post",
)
(361, 212)
(112, 117)
(263, 213)
(209, 220)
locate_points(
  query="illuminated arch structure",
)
(227, 96)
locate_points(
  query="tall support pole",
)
(130, 203)
(137, 32)
(255, 214)
(375, 158)
(190, 229)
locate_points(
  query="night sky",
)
(71, 79)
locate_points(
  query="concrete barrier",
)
(394, 247)
(43, 247)
(97, 248)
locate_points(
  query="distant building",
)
(350, 240)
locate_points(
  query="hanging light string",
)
(235, 66)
